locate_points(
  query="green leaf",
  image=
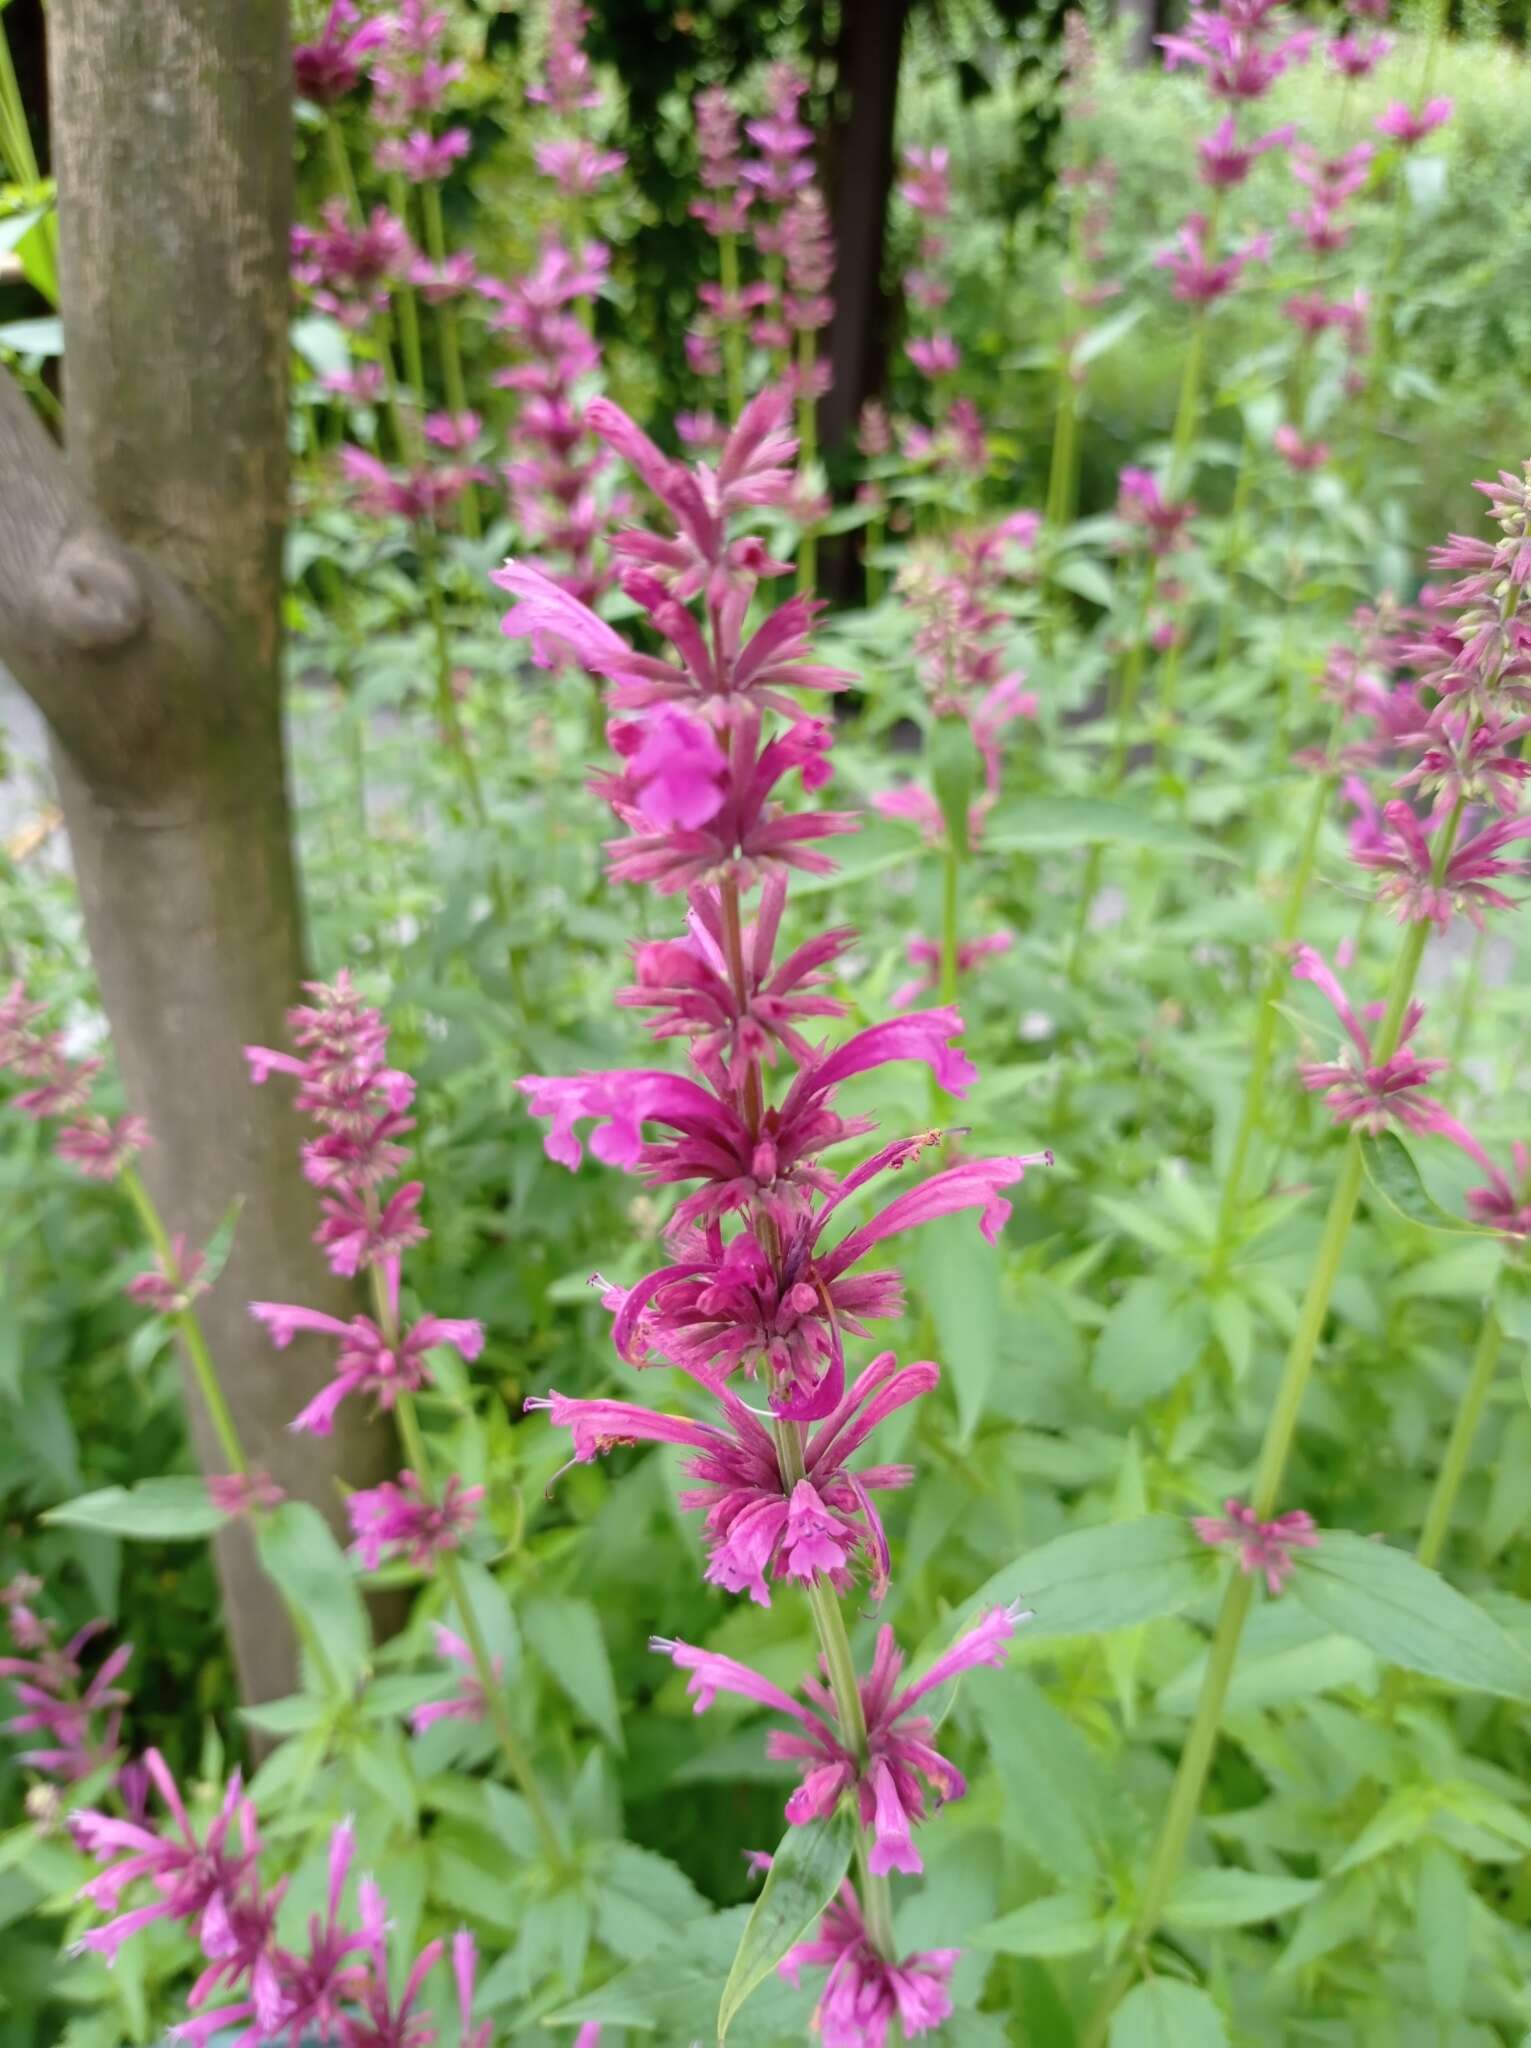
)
(1443, 1928)
(215, 1254)
(1163, 2013)
(805, 1874)
(1107, 334)
(153, 1511)
(959, 1282)
(40, 337)
(1151, 1339)
(566, 1635)
(954, 767)
(1395, 1178)
(17, 225)
(1045, 823)
(674, 1994)
(1064, 1925)
(292, 1716)
(1093, 1580)
(308, 1567)
(1086, 578)
(1234, 1898)
(1409, 1615)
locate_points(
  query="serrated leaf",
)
(806, 1872)
(959, 1276)
(566, 1635)
(152, 1511)
(1409, 1615)
(1065, 1925)
(302, 1558)
(1093, 1580)
(1234, 1898)
(674, 1994)
(1164, 2013)
(1046, 823)
(1395, 1178)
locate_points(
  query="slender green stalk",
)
(1125, 693)
(188, 1327)
(733, 334)
(450, 343)
(808, 450)
(517, 1761)
(1448, 1481)
(404, 298)
(344, 177)
(1238, 515)
(951, 889)
(446, 696)
(1060, 475)
(1275, 1450)
(1265, 1028)
(1188, 411)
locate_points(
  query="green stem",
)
(517, 1761)
(188, 1328)
(344, 177)
(1265, 1028)
(1189, 407)
(1060, 474)
(951, 880)
(404, 298)
(1126, 703)
(446, 696)
(1448, 1481)
(1236, 519)
(451, 347)
(1280, 1431)
(808, 451)
(733, 334)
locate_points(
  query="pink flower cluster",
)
(72, 1723)
(1264, 1548)
(553, 466)
(58, 1088)
(337, 1985)
(766, 1273)
(1452, 727)
(345, 1083)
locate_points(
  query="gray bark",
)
(140, 606)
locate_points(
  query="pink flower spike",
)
(679, 768)
(1407, 127)
(1264, 1548)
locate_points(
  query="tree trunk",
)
(140, 605)
(867, 64)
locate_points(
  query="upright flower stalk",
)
(762, 1283)
(1470, 663)
(360, 1104)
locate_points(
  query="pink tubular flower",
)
(758, 1527)
(936, 355)
(1231, 49)
(864, 1994)
(1224, 161)
(1199, 280)
(423, 158)
(1503, 1204)
(1356, 56)
(366, 1362)
(565, 85)
(195, 1877)
(1295, 452)
(1332, 180)
(468, 1702)
(401, 1520)
(1407, 127)
(330, 67)
(576, 166)
(244, 1493)
(173, 1281)
(346, 269)
(1362, 1090)
(1264, 1548)
(1466, 762)
(925, 954)
(80, 1719)
(1141, 502)
(678, 766)
(99, 1148)
(890, 1781)
(420, 495)
(1402, 853)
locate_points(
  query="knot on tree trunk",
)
(90, 596)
